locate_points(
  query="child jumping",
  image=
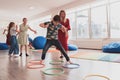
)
(52, 37)
(12, 30)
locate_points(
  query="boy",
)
(52, 36)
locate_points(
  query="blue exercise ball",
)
(3, 46)
(72, 47)
(39, 42)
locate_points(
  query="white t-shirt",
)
(13, 31)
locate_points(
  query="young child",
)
(52, 36)
(12, 30)
(7, 36)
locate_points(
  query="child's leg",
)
(59, 46)
(30, 45)
(45, 49)
(16, 51)
(12, 47)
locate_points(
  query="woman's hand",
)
(66, 34)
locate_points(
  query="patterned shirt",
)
(52, 31)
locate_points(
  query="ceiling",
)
(17, 9)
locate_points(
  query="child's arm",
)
(32, 30)
(4, 31)
(44, 25)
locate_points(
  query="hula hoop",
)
(31, 66)
(58, 62)
(71, 66)
(34, 61)
(53, 74)
(96, 76)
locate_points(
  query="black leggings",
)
(57, 44)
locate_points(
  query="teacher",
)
(61, 35)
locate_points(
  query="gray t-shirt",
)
(52, 31)
(13, 31)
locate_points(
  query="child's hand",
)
(35, 32)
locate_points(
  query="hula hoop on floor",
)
(32, 66)
(61, 71)
(34, 61)
(56, 62)
(95, 75)
(71, 66)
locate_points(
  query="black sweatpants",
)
(57, 44)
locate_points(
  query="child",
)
(30, 43)
(52, 36)
(13, 40)
(7, 37)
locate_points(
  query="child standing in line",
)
(12, 30)
(52, 37)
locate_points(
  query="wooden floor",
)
(15, 68)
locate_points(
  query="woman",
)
(23, 36)
(61, 35)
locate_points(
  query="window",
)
(114, 1)
(82, 24)
(99, 22)
(115, 20)
(72, 32)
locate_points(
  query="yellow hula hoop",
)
(92, 75)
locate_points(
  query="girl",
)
(7, 36)
(12, 29)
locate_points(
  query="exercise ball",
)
(3, 46)
(39, 42)
(72, 47)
